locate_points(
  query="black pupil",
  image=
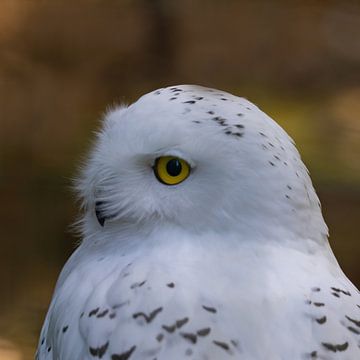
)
(173, 167)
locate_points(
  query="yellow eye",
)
(171, 170)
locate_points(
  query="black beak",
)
(99, 214)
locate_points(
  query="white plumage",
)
(231, 263)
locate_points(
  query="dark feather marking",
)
(336, 347)
(221, 344)
(220, 120)
(99, 351)
(102, 314)
(189, 336)
(355, 331)
(169, 328)
(64, 329)
(93, 312)
(210, 309)
(356, 322)
(123, 356)
(160, 337)
(181, 322)
(318, 304)
(313, 355)
(148, 318)
(117, 306)
(341, 291)
(112, 315)
(170, 285)
(204, 332)
(321, 320)
(335, 294)
(135, 285)
(189, 102)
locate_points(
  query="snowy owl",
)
(203, 239)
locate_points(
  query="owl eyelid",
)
(175, 153)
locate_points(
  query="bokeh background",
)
(63, 62)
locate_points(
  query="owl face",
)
(193, 156)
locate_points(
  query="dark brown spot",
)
(135, 285)
(64, 329)
(169, 328)
(181, 322)
(148, 318)
(209, 309)
(204, 332)
(221, 344)
(355, 331)
(160, 337)
(102, 314)
(123, 356)
(356, 322)
(189, 336)
(336, 347)
(99, 351)
(321, 320)
(93, 312)
(341, 291)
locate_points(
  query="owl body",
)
(231, 262)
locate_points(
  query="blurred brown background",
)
(63, 62)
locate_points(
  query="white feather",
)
(233, 262)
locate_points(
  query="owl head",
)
(197, 158)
